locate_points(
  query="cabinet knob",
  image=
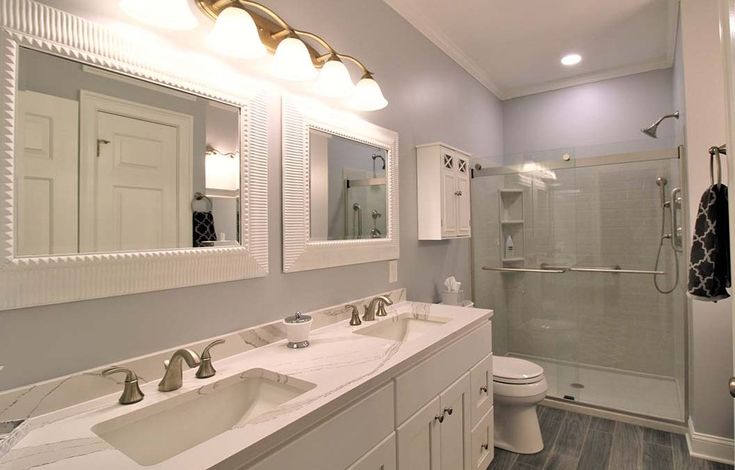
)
(458, 193)
(439, 418)
(485, 447)
(448, 411)
(483, 389)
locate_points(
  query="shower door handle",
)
(731, 386)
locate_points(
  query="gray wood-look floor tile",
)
(654, 436)
(576, 442)
(657, 457)
(602, 424)
(627, 447)
(571, 435)
(503, 460)
(596, 450)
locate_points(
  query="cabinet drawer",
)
(483, 442)
(416, 387)
(381, 457)
(334, 444)
(481, 391)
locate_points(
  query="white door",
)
(46, 175)
(419, 440)
(134, 196)
(727, 11)
(463, 204)
(455, 429)
(449, 198)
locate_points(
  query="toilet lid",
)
(514, 370)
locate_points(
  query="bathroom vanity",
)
(411, 390)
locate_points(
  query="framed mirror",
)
(120, 177)
(340, 188)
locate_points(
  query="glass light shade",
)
(222, 172)
(235, 35)
(368, 96)
(292, 61)
(167, 14)
(334, 80)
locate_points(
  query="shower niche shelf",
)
(510, 205)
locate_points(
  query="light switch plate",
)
(393, 271)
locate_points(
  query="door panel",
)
(455, 429)
(46, 173)
(449, 204)
(418, 440)
(463, 206)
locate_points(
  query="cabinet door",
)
(418, 439)
(449, 203)
(381, 457)
(455, 429)
(483, 451)
(463, 206)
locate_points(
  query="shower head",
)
(650, 131)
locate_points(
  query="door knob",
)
(732, 386)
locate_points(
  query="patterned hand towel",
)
(203, 224)
(709, 263)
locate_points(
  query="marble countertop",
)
(342, 366)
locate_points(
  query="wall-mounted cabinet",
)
(443, 186)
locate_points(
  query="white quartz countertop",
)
(342, 365)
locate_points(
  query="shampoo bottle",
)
(509, 247)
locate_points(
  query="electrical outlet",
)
(393, 271)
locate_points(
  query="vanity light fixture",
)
(571, 59)
(167, 14)
(294, 58)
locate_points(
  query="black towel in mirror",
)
(709, 263)
(203, 224)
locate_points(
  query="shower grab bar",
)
(602, 269)
(525, 270)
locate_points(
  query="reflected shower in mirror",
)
(109, 163)
(347, 184)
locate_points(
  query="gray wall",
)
(594, 119)
(431, 99)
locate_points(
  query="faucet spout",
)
(376, 307)
(173, 377)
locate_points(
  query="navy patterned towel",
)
(203, 229)
(709, 263)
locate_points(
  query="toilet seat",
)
(511, 370)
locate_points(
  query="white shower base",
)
(645, 394)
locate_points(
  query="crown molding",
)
(419, 21)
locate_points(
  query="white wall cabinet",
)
(436, 415)
(443, 185)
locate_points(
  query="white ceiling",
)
(513, 47)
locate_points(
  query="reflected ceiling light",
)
(235, 35)
(167, 14)
(368, 95)
(571, 59)
(292, 60)
(334, 79)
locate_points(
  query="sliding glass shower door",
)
(576, 293)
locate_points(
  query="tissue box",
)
(453, 298)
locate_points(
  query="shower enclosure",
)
(576, 292)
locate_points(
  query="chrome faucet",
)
(131, 393)
(173, 377)
(376, 308)
(206, 369)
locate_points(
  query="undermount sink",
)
(160, 431)
(403, 327)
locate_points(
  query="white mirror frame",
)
(30, 281)
(299, 252)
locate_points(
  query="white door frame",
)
(89, 105)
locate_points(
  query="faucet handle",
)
(206, 369)
(355, 318)
(131, 392)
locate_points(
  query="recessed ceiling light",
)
(571, 59)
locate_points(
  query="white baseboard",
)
(706, 446)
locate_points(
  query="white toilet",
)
(518, 386)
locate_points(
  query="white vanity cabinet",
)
(434, 415)
(443, 192)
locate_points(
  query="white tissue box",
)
(453, 298)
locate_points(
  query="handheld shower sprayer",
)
(661, 182)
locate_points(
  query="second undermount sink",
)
(403, 327)
(160, 431)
